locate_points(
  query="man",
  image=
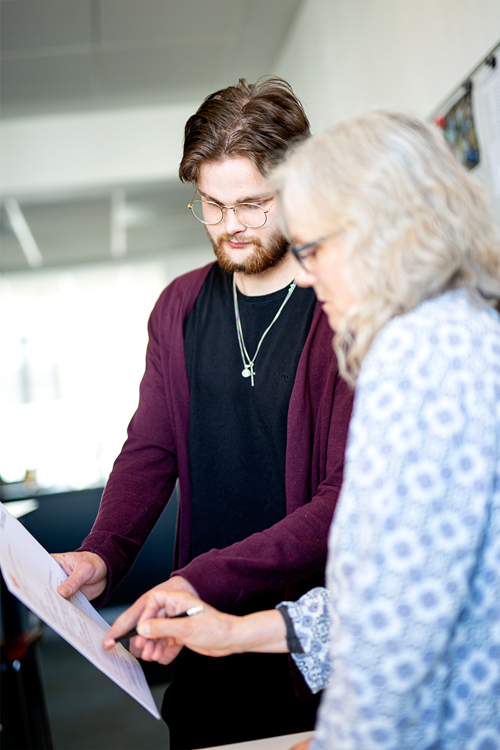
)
(241, 402)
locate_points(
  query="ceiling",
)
(79, 56)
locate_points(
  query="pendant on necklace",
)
(246, 372)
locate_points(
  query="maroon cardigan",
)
(292, 553)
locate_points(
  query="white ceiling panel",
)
(165, 21)
(28, 83)
(159, 70)
(40, 24)
(64, 55)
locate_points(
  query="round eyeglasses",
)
(251, 215)
(305, 253)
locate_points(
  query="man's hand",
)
(87, 573)
(165, 650)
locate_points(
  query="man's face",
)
(239, 248)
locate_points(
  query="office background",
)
(94, 222)
(94, 97)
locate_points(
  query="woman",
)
(397, 242)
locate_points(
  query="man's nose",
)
(231, 222)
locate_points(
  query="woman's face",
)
(323, 269)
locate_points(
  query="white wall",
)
(343, 56)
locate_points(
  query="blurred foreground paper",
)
(489, 89)
(33, 576)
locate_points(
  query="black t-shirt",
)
(237, 433)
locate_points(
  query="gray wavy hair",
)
(415, 223)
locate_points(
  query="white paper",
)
(489, 90)
(33, 576)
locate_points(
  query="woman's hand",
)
(209, 632)
(161, 638)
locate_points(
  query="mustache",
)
(264, 256)
(231, 238)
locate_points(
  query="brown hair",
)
(259, 120)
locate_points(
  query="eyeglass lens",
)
(249, 214)
(305, 253)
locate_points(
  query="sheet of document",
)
(33, 576)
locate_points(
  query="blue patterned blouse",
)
(406, 639)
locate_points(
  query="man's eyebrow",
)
(250, 199)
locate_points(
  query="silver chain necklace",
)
(248, 363)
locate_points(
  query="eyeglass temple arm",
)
(190, 204)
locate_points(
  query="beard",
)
(262, 258)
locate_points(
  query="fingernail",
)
(108, 643)
(144, 629)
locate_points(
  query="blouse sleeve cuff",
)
(292, 642)
(310, 621)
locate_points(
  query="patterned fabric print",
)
(414, 562)
(311, 623)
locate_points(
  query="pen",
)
(187, 613)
